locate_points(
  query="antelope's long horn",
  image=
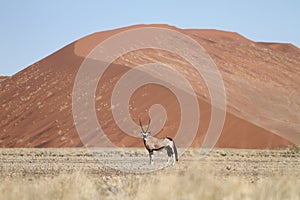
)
(141, 125)
(148, 124)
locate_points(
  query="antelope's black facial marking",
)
(145, 135)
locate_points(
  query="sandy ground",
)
(249, 165)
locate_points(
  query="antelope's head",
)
(144, 133)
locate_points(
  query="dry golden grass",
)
(192, 185)
(223, 174)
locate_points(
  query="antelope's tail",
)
(174, 147)
(175, 151)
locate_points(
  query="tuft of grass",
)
(75, 186)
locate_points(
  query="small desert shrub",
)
(295, 149)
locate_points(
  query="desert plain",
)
(125, 173)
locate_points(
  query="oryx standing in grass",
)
(156, 144)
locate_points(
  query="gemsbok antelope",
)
(156, 144)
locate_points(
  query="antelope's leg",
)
(151, 157)
(169, 152)
(174, 158)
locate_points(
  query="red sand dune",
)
(261, 81)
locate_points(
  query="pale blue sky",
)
(31, 30)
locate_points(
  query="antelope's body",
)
(155, 144)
